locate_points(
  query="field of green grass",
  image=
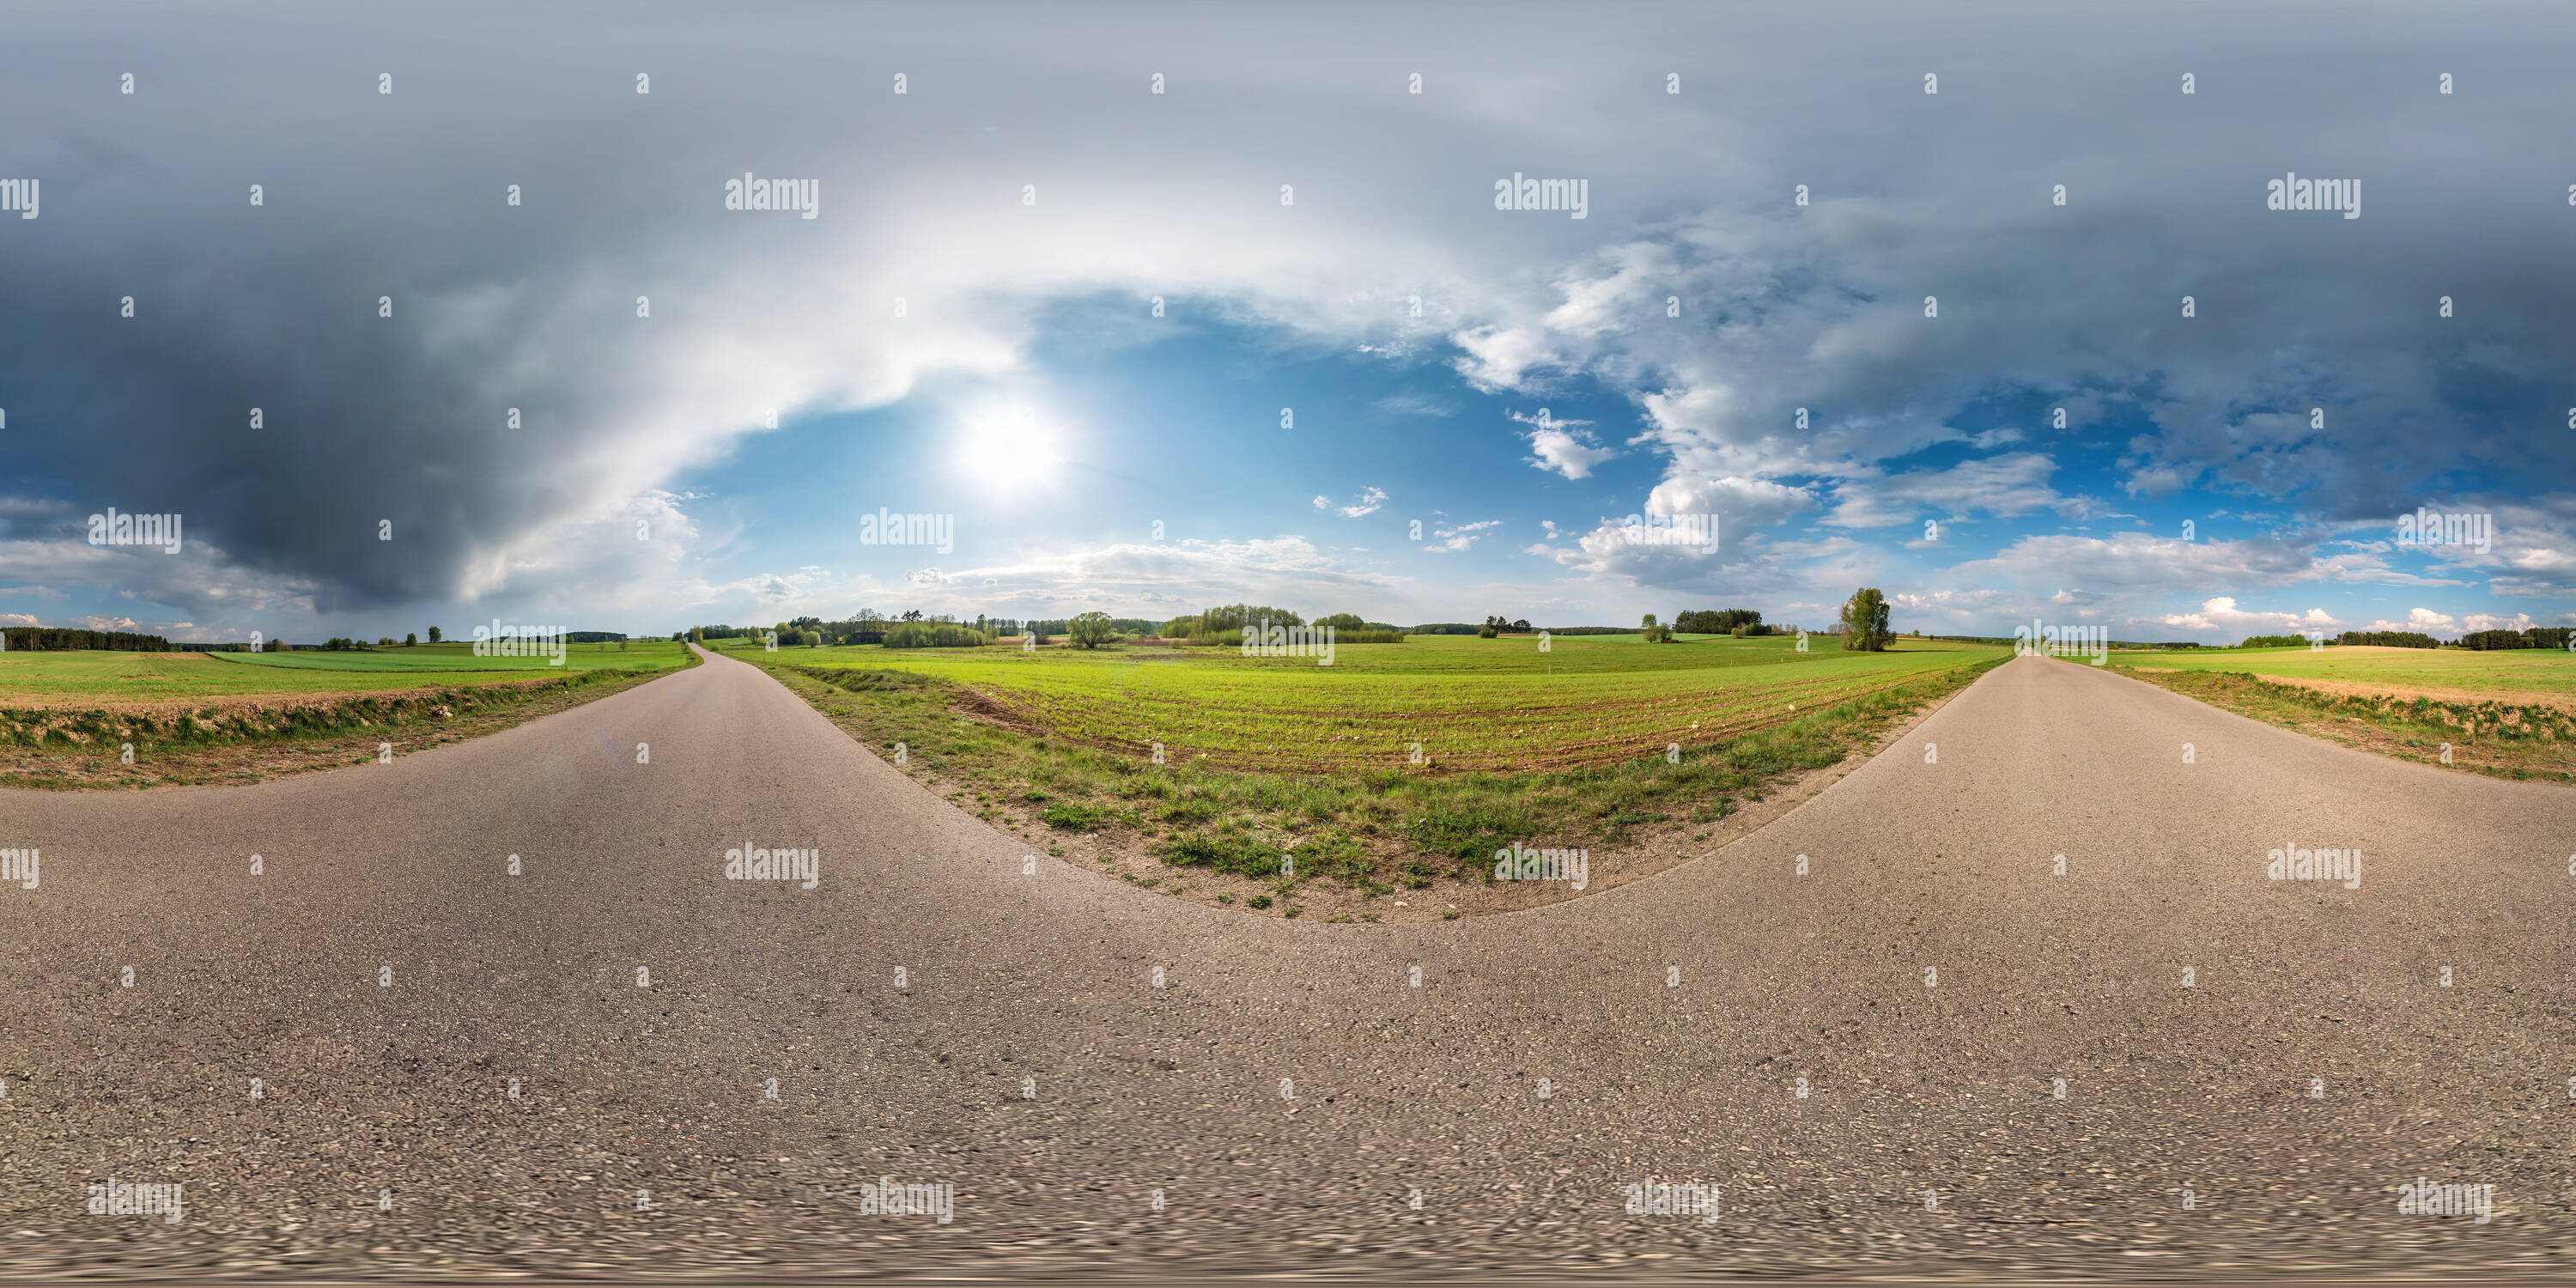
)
(1469, 703)
(1272, 756)
(98, 678)
(2511, 675)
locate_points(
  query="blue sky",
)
(966, 327)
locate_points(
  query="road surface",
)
(942, 1009)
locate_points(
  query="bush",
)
(2536, 637)
(2389, 639)
(934, 635)
(1718, 621)
(1237, 616)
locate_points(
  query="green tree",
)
(411, 639)
(433, 634)
(1865, 621)
(1091, 630)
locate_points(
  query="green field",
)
(98, 678)
(1265, 757)
(1470, 703)
(2509, 675)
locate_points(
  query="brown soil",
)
(2438, 693)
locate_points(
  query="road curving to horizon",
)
(1545, 1060)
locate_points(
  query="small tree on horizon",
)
(1864, 621)
(1091, 630)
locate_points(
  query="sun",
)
(1011, 449)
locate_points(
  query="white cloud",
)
(2222, 614)
(1370, 501)
(2003, 486)
(2420, 619)
(1570, 453)
(1449, 540)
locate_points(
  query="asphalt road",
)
(1545, 1061)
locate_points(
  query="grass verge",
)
(2499, 739)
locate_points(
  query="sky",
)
(1265, 334)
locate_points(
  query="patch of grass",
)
(1237, 851)
(1070, 817)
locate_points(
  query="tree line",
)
(46, 638)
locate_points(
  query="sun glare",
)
(1013, 450)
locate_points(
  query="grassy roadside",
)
(2499, 739)
(1358, 834)
(252, 739)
